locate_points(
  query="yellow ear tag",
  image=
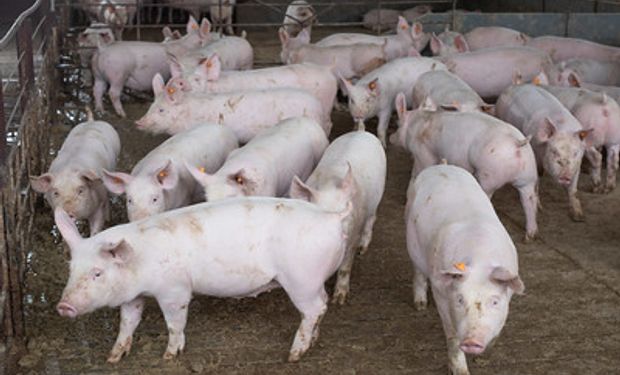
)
(239, 180)
(171, 90)
(460, 266)
(372, 85)
(209, 64)
(162, 174)
(536, 81)
(202, 169)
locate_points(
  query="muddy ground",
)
(568, 322)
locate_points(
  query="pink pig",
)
(245, 112)
(234, 248)
(496, 152)
(448, 91)
(160, 181)
(73, 181)
(457, 242)
(267, 164)
(590, 71)
(494, 36)
(558, 139)
(560, 48)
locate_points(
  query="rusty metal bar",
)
(25, 55)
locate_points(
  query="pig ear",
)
(454, 106)
(574, 80)
(547, 130)
(119, 252)
(176, 70)
(347, 84)
(348, 182)
(205, 28)
(506, 278)
(428, 104)
(417, 30)
(167, 176)
(402, 24)
(173, 94)
(42, 183)
(192, 25)
(176, 34)
(199, 174)
(115, 182)
(304, 36)
(488, 109)
(299, 190)
(67, 227)
(436, 44)
(461, 44)
(167, 32)
(158, 84)
(401, 105)
(90, 177)
(212, 67)
(373, 86)
(586, 136)
(517, 78)
(284, 37)
(413, 52)
(541, 79)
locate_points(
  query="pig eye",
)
(161, 110)
(80, 191)
(154, 199)
(494, 301)
(129, 201)
(56, 194)
(460, 300)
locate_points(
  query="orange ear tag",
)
(583, 134)
(404, 27)
(171, 90)
(536, 81)
(209, 64)
(372, 85)
(162, 174)
(202, 169)
(239, 180)
(195, 26)
(460, 266)
(118, 180)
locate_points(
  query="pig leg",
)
(576, 213)
(529, 200)
(175, 313)
(596, 160)
(384, 122)
(341, 290)
(457, 363)
(312, 305)
(612, 167)
(367, 234)
(97, 220)
(131, 314)
(420, 288)
(116, 88)
(98, 91)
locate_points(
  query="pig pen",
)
(568, 322)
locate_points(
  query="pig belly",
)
(227, 278)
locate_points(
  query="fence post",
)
(3, 145)
(26, 64)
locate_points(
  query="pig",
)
(352, 169)
(591, 71)
(412, 14)
(347, 61)
(221, 12)
(401, 44)
(374, 94)
(494, 36)
(299, 15)
(558, 139)
(73, 181)
(490, 71)
(448, 43)
(380, 19)
(96, 34)
(235, 53)
(160, 181)
(111, 13)
(234, 248)
(560, 48)
(448, 91)
(290, 43)
(601, 115)
(134, 64)
(245, 112)
(267, 164)
(315, 79)
(574, 81)
(457, 242)
(494, 151)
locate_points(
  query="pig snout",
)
(564, 180)
(67, 310)
(141, 123)
(472, 346)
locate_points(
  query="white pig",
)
(160, 181)
(267, 164)
(221, 12)
(574, 81)
(353, 169)
(134, 64)
(561, 48)
(496, 152)
(601, 114)
(209, 77)
(456, 241)
(558, 139)
(73, 181)
(591, 71)
(447, 90)
(448, 43)
(96, 34)
(380, 19)
(299, 15)
(235, 53)
(374, 94)
(233, 248)
(347, 61)
(245, 112)
(494, 36)
(398, 45)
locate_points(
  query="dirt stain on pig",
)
(428, 199)
(194, 225)
(478, 306)
(167, 225)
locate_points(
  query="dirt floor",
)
(568, 322)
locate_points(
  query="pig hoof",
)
(295, 356)
(339, 297)
(577, 217)
(115, 357)
(598, 189)
(529, 238)
(419, 305)
(169, 355)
